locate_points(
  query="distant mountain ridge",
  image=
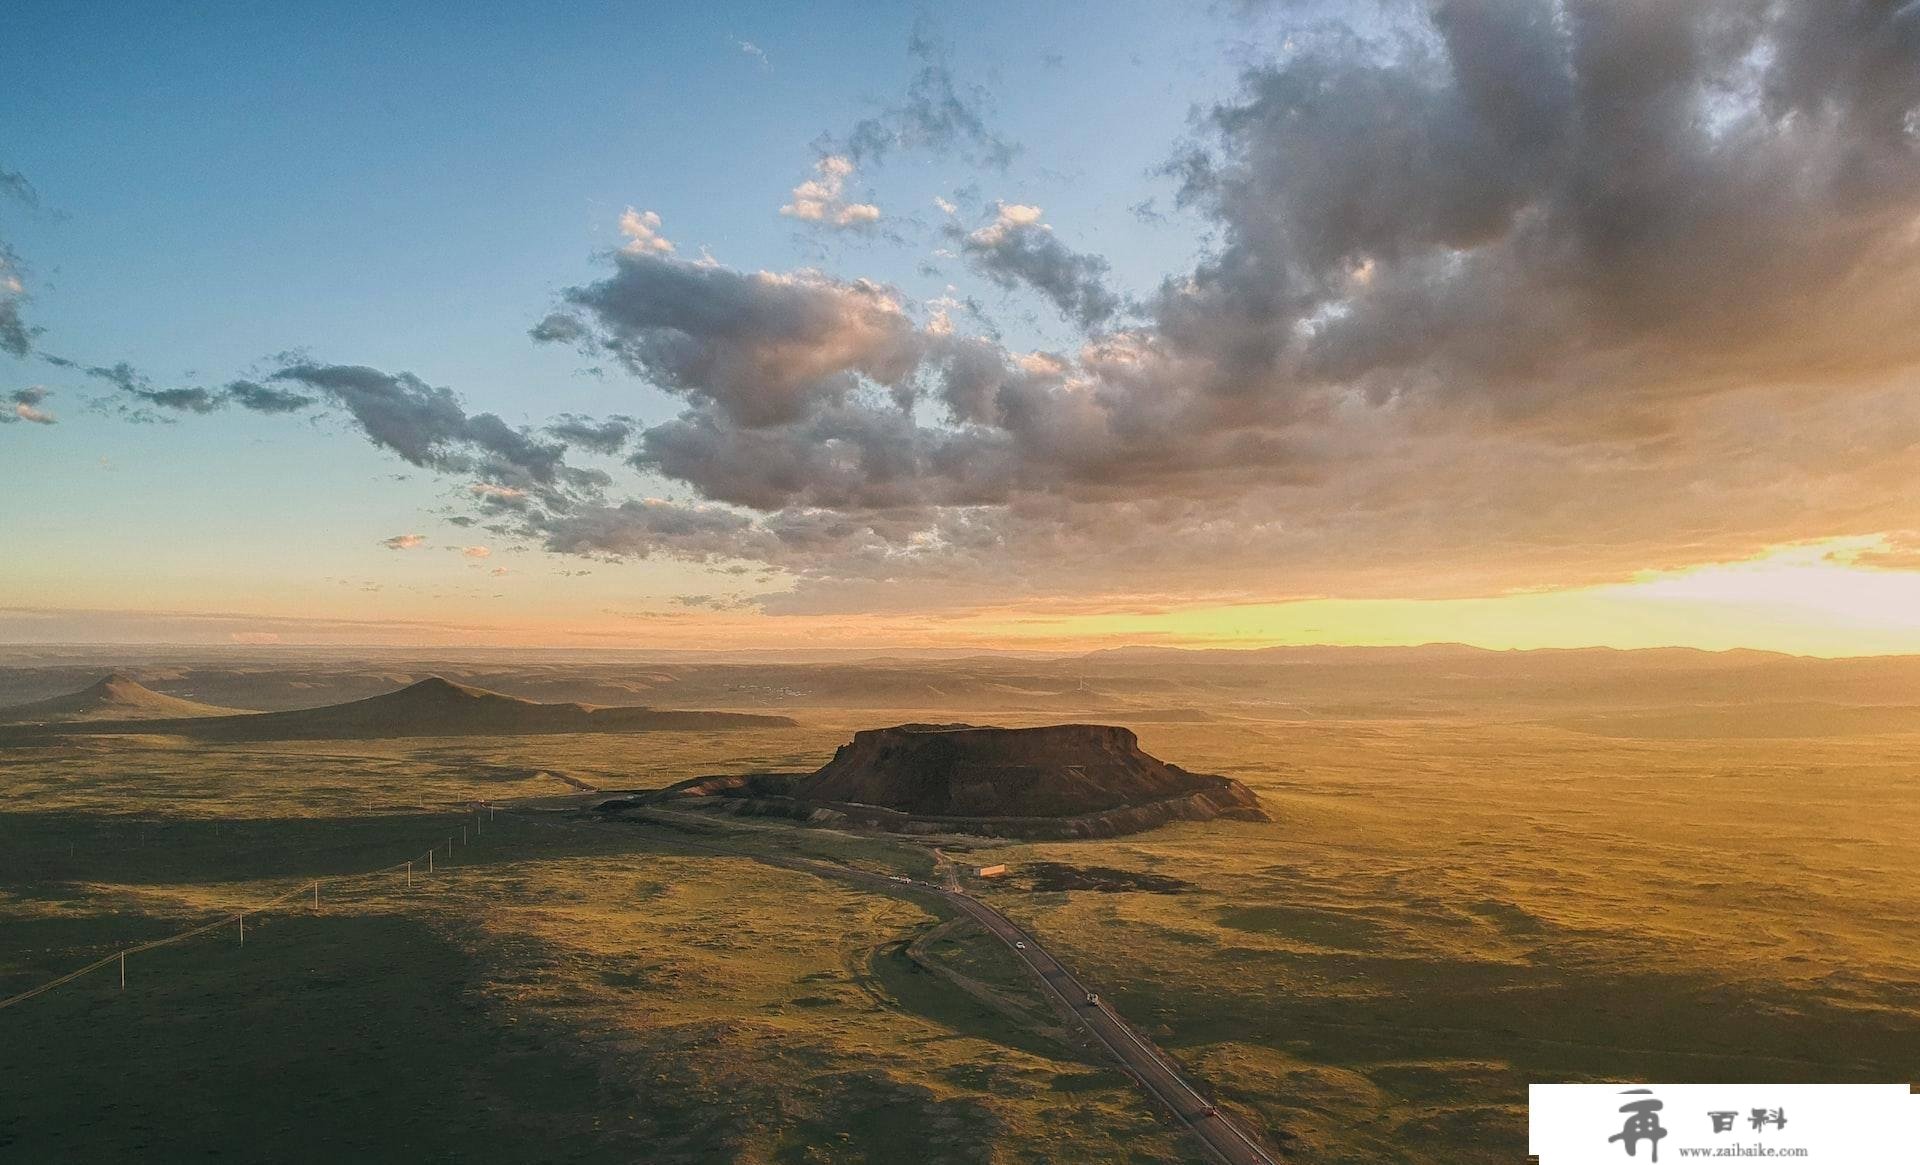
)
(430, 707)
(114, 697)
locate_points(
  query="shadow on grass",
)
(1547, 1019)
(324, 1039)
(42, 852)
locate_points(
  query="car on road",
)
(1092, 999)
(1019, 946)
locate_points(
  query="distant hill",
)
(431, 707)
(115, 697)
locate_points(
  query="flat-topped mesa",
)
(958, 770)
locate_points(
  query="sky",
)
(1510, 322)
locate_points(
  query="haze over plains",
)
(1503, 322)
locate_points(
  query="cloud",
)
(1896, 550)
(133, 383)
(758, 346)
(642, 229)
(1509, 294)
(758, 54)
(734, 602)
(1644, 272)
(404, 541)
(426, 425)
(1651, 201)
(476, 551)
(937, 114)
(641, 528)
(822, 198)
(1016, 249)
(607, 437)
(23, 405)
(16, 336)
(260, 398)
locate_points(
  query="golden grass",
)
(1439, 912)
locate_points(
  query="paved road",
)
(1151, 1068)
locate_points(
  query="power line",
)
(237, 917)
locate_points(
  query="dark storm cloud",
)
(1017, 249)
(937, 114)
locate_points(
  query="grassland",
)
(1441, 910)
(553, 991)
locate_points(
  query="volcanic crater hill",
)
(1063, 780)
(114, 697)
(431, 707)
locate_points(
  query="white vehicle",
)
(1092, 999)
(1019, 946)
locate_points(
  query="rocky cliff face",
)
(1062, 781)
(961, 771)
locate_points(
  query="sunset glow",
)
(918, 340)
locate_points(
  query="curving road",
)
(1150, 1067)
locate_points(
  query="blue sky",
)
(408, 186)
(411, 188)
